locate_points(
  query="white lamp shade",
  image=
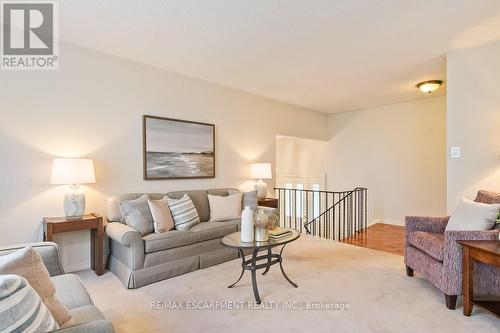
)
(72, 171)
(261, 171)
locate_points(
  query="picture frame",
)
(177, 149)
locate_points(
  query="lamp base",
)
(261, 188)
(74, 203)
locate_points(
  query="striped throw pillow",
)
(184, 212)
(21, 309)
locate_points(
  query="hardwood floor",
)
(382, 237)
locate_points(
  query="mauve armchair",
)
(435, 254)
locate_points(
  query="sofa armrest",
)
(453, 250)
(126, 245)
(452, 260)
(123, 234)
(49, 252)
(98, 326)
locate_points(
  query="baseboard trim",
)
(392, 222)
(375, 221)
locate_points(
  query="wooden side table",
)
(486, 252)
(268, 202)
(92, 222)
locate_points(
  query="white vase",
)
(247, 234)
(261, 220)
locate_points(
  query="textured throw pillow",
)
(249, 199)
(28, 264)
(21, 308)
(472, 215)
(184, 212)
(225, 208)
(487, 197)
(162, 218)
(136, 214)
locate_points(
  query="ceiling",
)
(326, 55)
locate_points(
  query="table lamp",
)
(73, 172)
(261, 171)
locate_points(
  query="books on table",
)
(279, 233)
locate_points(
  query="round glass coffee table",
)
(267, 260)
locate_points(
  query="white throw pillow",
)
(162, 217)
(225, 208)
(472, 215)
(184, 212)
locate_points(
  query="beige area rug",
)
(372, 283)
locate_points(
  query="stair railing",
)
(330, 214)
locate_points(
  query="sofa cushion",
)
(471, 215)
(430, 243)
(249, 198)
(162, 217)
(136, 214)
(28, 264)
(211, 230)
(113, 212)
(21, 308)
(84, 314)
(225, 208)
(183, 212)
(168, 240)
(200, 201)
(487, 197)
(71, 291)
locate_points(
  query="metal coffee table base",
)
(252, 266)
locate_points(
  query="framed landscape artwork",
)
(177, 149)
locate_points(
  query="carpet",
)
(342, 288)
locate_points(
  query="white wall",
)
(398, 152)
(92, 107)
(473, 121)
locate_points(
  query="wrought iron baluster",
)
(344, 216)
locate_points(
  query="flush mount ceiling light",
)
(429, 86)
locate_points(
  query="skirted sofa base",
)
(177, 261)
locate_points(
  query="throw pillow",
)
(21, 308)
(472, 215)
(184, 212)
(249, 199)
(487, 197)
(28, 264)
(162, 218)
(136, 214)
(225, 208)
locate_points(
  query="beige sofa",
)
(140, 260)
